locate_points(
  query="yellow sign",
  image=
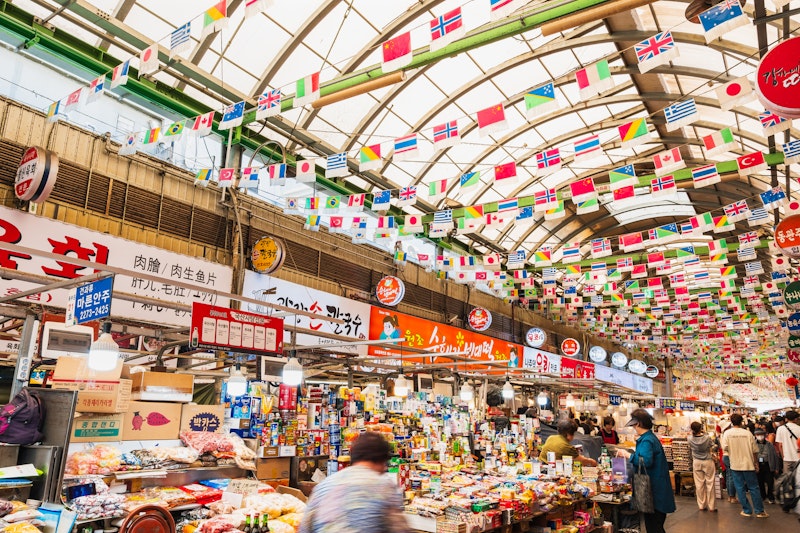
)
(267, 256)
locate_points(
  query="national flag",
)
(469, 180)
(668, 161)
(623, 193)
(254, 7)
(332, 203)
(754, 268)
(232, 116)
(446, 28)
(555, 212)
(226, 176)
(702, 222)
(305, 171)
(735, 93)
(749, 239)
(292, 206)
(655, 51)
(312, 203)
(506, 171)
(751, 163)
(728, 272)
(269, 104)
(369, 158)
(622, 177)
(337, 165)
(594, 79)
(148, 60)
(719, 142)
(773, 123)
(306, 90)
(751, 281)
(215, 18)
(249, 178)
(544, 200)
(73, 100)
(625, 264)
(277, 174)
(381, 200)
(686, 228)
(151, 136)
(491, 119)
(397, 52)
(508, 204)
(548, 162)
(446, 135)
(791, 152)
(540, 101)
(443, 218)
(681, 114)
(406, 147)
(202, 177)
(631, 242)
(407, 196)
(174, 130)
(387, 223)
(722, 224)
(129, 144)
(413, 223)
(677, 280)
(202, 124)
(120, 74)
(773, 198)
(312, 222)
(543, 256)
(737, 210)
(589, 205)
(96, 89)
(667, 232)
(633, 133)
(705, 176)
(516, 260)
(721, 18)
(180, 39)
(501, 8)
(601, 248)
(758, 217)
(571, 253)
(587, 148)
(437, 190)
(663, 185)
(582, 190)
(492, 261)
(53, 110)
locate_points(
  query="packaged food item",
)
(21, 527)
(98, 506)
(204, 442)
(202, 494)
(100, 459)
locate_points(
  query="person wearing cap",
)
(650, 452)
(703, 467)
(743, 454)
(786, 440)
(768, 466)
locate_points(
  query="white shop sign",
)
(541, 361)
(52, 236)
(619, 377)
(355, 314)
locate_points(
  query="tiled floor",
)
(689, 519)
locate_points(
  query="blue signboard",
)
(614, 399)
(92, 301)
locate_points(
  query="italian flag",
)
(594, 79)
(307, 90)
(719, 142)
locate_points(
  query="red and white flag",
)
(397, 52)
(668, 161)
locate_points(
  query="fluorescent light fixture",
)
(104, 352)
(292, 372)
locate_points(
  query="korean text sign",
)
(230, 329)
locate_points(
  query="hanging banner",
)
(541, 362)
(436, 337)
(277, 291)
(39, 233)
(222, 328)
(575, 369)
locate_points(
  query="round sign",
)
(787, 236)
(619, 359)
(794, 342)
(390, 290)
(637, 367)
(267, 255)
(597, 354)
(791, 294)
(793, 355)
(479, 319)
(778, 79)
(570, 347)
(651, 372)
(36, 175)
(535, 337)
(793, 323)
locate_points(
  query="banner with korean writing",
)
(576, 369)
(355, 314)
(435, 337)
(31, 231)
(541, 361)
(223, 328)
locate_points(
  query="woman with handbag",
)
(652, 492)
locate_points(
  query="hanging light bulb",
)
(237, 383)
(292, 372)
(542, 399)
(466, 393)
(104, 352)
(401, 386)
(570, 401)
(508, 390)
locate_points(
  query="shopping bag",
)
(642, 489)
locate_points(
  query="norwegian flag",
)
(446, 135)
(407, 196)
(548, 162)
(737, 211)
(663, 185)
(655, 51)
(544, 200)
(446, 28)
(625, 264)
(601, 248)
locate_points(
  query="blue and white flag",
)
(232, 116)
(443, 219)
(337, 165)
(249, 178)
(773, 198)
(180, 39)
(381, 200)
(722, 18)
(791, 152)
(681, 114)
(758, 217)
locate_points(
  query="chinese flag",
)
(397, 52)
(582, 190)
(624, 192)
(491, 119)
(505, 171)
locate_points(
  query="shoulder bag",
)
(642, 490)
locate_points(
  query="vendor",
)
(608, 432)
(561, 444)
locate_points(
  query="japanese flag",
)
(306, 172)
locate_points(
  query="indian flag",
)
(215, 18)
(307, 90)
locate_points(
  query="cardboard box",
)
(209, 418)
(273, 468)
(162, 387)
(77, 369)
(97, 428)
(99, 396)
(294, 492)
(268, 451)
(152, 421)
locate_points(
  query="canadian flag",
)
(668, 161)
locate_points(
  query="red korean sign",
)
(36, 175)
(479, 319)
(390, 290)
(223, 328)
(787, 235)
(570, 347)
(575, 369)
(778, 79)
(435, 337)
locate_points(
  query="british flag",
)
(737, 210)
(772, 123)
(650, 48)
(269, 104)
(408, 194)
(749, 239)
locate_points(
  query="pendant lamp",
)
(104, 352)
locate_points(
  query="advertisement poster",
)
(230, 329)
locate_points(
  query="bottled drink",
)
(264, 524)
(248, 525)
(256, 527)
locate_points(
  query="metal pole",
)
(27, 342)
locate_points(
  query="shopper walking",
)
(786, 440)
(730, 488)
(743, 453)
(651, 453)
(360, 497)
(768, 465)
(703, 467)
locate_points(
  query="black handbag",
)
(642, 490)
